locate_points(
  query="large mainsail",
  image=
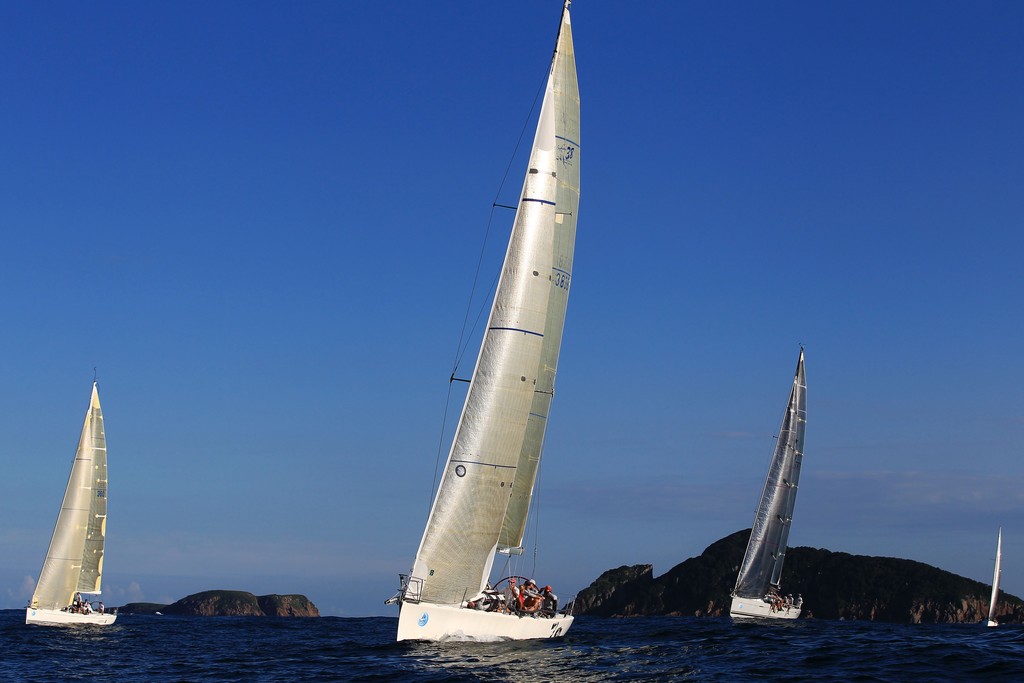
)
(496, 449)
(74, 560)
(766, 550)
(567, 192)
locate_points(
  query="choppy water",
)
(146, 648)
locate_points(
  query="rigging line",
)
(440, 445)
(522, 132)
(536, 511)
(479, 315)
(460, 349)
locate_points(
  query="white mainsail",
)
(995, 580)
(761, 569)
(566, 98)
(486, 486)
(74, 559)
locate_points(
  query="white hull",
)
(423, 621)
(56, 617)
(991, 623)
(755, 608)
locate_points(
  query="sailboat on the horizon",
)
(73, 568)
(758, 591)
(480, 508)
(995, 580)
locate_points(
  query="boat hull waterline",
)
(755, 608)
(423, 621)
(63, 618)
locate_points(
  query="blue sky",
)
(260, 222)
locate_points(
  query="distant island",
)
(834, 585)
(221, 603)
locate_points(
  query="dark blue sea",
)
(153, 648)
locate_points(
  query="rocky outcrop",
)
(220, 603)
(834, 586)
(621, 581)
(287, 606)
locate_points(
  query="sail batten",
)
(769, 535)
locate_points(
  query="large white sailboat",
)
(73, 569)
(481, 505)
(995, 581)
(758, 592)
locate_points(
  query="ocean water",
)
(152, 648)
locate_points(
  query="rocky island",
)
(834, 585)
(221, 603)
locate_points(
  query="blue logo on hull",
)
(424, 618)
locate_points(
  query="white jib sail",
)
(502, 422)
(74, 560)
(766, 549)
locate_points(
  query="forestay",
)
(488, 478)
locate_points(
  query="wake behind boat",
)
(758, 591)
(481, 505)
(74, 560)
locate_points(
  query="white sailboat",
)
(995, 581)
(481, 505)
(73, 568)
(758, 591)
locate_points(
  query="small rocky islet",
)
(225, 603)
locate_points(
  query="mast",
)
(502, 423)
(769, 534)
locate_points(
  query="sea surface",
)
(154, 648)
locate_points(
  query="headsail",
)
(766, 549)
(74, 560)
(502, 422)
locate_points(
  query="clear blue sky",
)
(260, 221)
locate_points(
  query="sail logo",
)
(101, 493)
(561, 278)
(422, 621)
(566, 153)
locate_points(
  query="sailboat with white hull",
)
(758, 591)
(73, 567)
(481, 505)
(995, 580)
